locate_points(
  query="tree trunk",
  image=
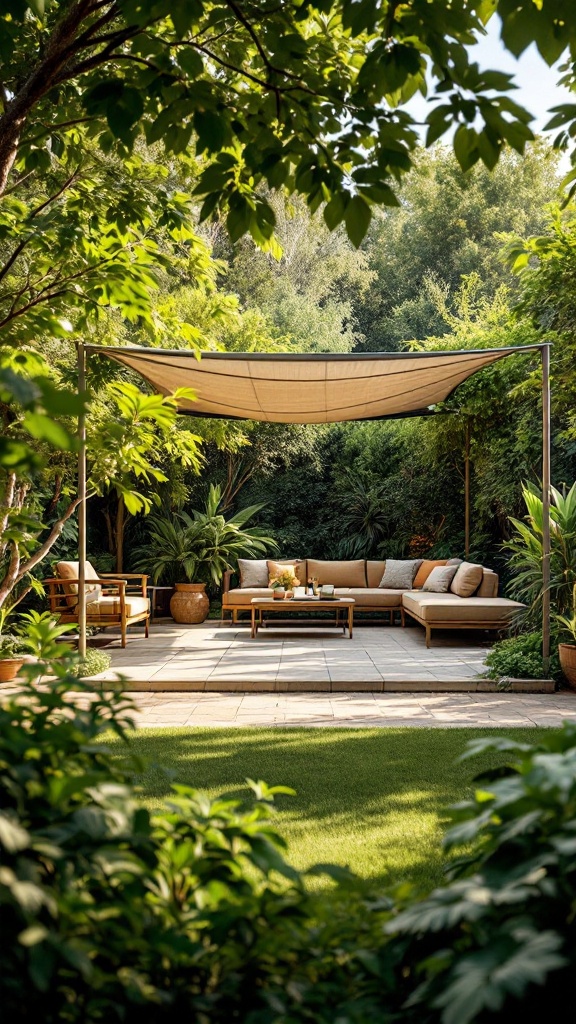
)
(59, 51)
(120, 524)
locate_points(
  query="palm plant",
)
(363, 519)
(526, 549)
(201, 547)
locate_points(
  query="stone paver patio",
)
(215, 675)
(216, 656)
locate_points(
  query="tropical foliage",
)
(202, 546)
(525, 549)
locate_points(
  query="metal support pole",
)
(546, 507)
(81, 506)
(467, 489)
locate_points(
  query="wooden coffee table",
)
(338, 605)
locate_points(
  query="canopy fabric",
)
(327, 388)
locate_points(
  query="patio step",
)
(327, 686)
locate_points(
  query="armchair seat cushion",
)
(109, 604)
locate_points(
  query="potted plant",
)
(193, 551)
(12, 656)
(567, 651)
(283, 584)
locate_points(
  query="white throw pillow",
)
(440, 579)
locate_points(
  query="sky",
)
(538, 88)
(538, 84)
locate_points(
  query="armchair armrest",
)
(126, 576)
(229, 573)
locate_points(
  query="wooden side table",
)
(159, 601)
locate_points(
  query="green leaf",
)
(43, 428)
(357, 219)
(466, 147)
(334, 210)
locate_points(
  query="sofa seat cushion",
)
(241, 598)
(449, 608)
(110, 605)
(372, 597)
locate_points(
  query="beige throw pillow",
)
(467, 579)
(399, 573)
(253, 572)
(440, 579)
(71, 571)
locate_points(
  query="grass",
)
(373, 799)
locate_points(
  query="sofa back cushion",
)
(489, 585)
(399, 573)
(374, 572)
(467, 579)
(341, 574)
(253, 572)
(425, 569)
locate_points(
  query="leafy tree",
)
(309, 290)
(444, 231)
(305, 95)
(124, 438)
(545, 265)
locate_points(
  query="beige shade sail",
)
(327, 388)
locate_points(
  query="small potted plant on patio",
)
(567, 651)
(192, 552)
(13, 654)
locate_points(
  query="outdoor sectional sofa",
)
(361, 578)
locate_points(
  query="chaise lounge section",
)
(362, 580)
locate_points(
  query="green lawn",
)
(372, 799)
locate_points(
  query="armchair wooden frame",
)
(116, 585)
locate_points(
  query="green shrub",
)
(93, 663)
(520, 657)
(111, 914)
(11, 646)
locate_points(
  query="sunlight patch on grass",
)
(374, 800)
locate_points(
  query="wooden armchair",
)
(111, 598)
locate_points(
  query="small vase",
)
(567, 655)
(190, 603)
(279, 593)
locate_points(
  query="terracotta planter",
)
(9, 668)
(190, 603)
(567, 654)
